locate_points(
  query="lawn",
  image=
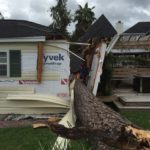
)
(27, 138)
(141, 118)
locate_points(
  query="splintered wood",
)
(45, 125)
(53, 119)
(39, 125)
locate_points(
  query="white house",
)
(34, 68)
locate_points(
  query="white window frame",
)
(8, 71)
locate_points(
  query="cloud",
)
(128, 11)
(32, 10)
(39, 11)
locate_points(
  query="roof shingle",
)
(140, 27)
(22, 28)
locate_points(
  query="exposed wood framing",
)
(133, 41)
(40, 62)
(132, 44)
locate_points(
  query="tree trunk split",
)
(105, 128)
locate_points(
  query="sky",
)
(128, 11)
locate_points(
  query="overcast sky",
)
(128, 11)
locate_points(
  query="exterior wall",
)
(56, 69)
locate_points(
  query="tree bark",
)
(105, 128)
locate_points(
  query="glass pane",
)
(3, 54)
(3, 60)
(3, 70)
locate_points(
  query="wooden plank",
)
(40, 62)
(39, 125)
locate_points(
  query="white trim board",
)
(24, 39)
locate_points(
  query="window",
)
(3, 64)
(10, 63)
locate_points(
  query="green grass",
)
(141, 118)
(27, 138)
(80, 145)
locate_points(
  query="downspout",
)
(40, 61)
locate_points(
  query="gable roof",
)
(22, 28)
(99, 29)
(140, 27)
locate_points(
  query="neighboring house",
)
(33, 60)
(134, 40)
(133, 51)
(132, 68)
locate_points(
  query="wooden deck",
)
(130, 100)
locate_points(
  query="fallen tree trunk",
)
(105, 128)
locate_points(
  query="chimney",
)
(119, 27)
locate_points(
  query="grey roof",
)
(140, 27)
(22, 28)
(99, 29)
